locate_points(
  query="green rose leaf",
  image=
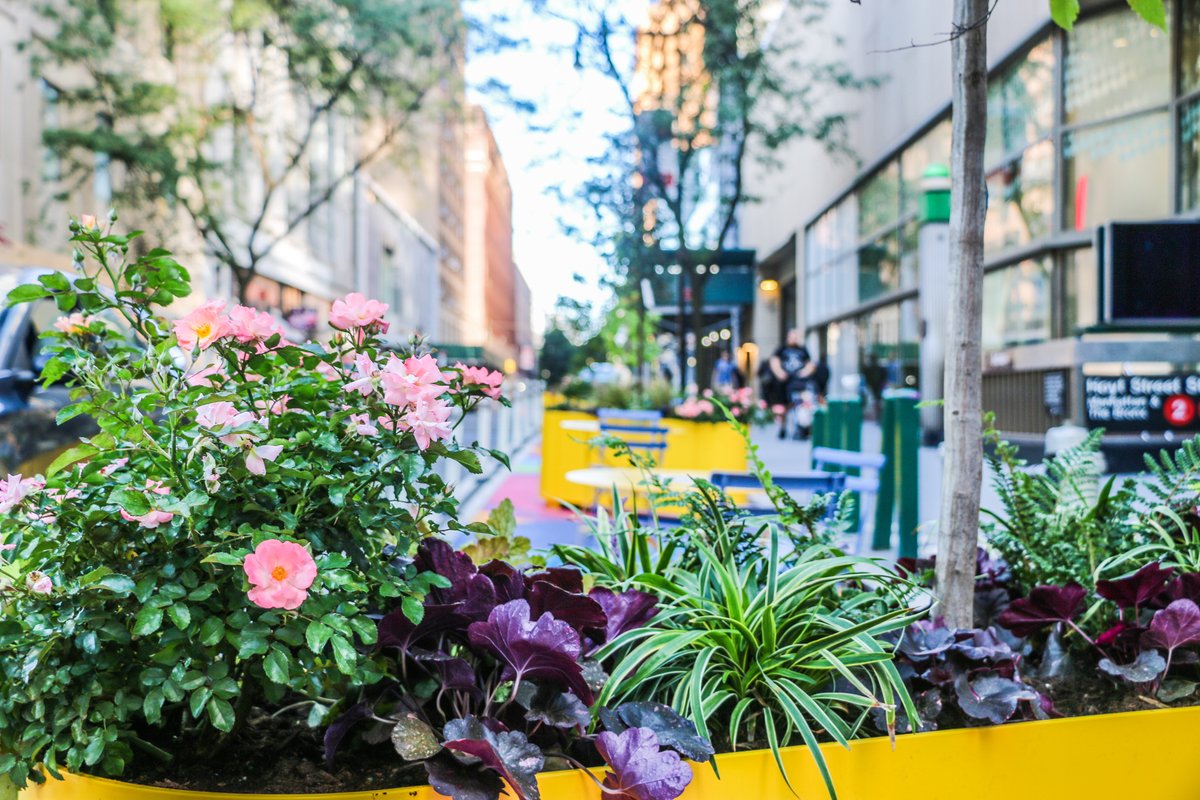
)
(181, 615)
(344, 654)
(25, 293)
(220, 713)
(275, 665)
(1064, 13)
(147, 621)
(211, 631)
(118, 584)
(317, 635)
(228, 559)
(1153, 11)
(77, 453)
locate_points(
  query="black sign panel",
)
(1135, 403)
(1152, 273)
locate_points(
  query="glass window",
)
(1020, 202)
(1016, 304)
(1115, 63)
(1081, 287)
(879, 200)
(879, 267)
(1117, 172)
(1189, 156)
(1189, 55)
(932, 148)
(1021, 103)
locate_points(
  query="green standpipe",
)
(820, 427)
(908, 424)
(885, 501)
(850, 439)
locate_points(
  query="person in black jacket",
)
(793, 367)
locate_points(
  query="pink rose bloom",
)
(274, 407)
(151, 519)
(356, 311)
(327, 371)
(366, 375)
(428, 422)
(88, 221)
(39, 583)
(249, 324)
(737, 411)
(14, 489)
(778, 409)
(411, 381)
(362, 425)
(202, 327)
(743, 396)
(708, 393)
(280, 573)
(113, 466)
(762, 404)
(257, 456)
(489, 379)
(205, 376)
(74, 323)
(220, 415)
(6, 547)
(688, 409)
(212, 478)
(705, 407)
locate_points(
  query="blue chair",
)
(812, 483)
(640, 431)
(827, 456)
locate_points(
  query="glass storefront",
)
(1110, 133)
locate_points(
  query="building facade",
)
(1086, 127)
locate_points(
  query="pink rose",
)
(14, 489)
(280, 573)
(113, 466)
(490, 380)
(362, 425)
(257, 456)
(356, 311)
(427, 420)
(366, 375)
(204, 377)
(39, 583)
(88, 221)
(249, 324)
(412, 380)
(74, 323)
(688, 409)
(202, 327)
(151, 519)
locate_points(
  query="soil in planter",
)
(277, 757)
(1082, 695)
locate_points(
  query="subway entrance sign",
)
(1136, 403)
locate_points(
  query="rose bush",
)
(228, 539)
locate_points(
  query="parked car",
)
(30, 436)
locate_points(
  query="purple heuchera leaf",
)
(338, 729)
(508, 752)
(639, 770)
(506, 579)
(545, 650)
(1177, 625)
(452, 778)
(1142, 670)
(1186, 586)
(992, 697)
(625, 611)
(673, 731)
(577, 610)
(1136, 590)
(926, 638)
(1044, 606)
(568, 579)
(982, 645)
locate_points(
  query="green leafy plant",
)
(502, 543)
(218, 545)
(1058, 524)
(772, 651)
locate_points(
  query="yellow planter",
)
(1151, 754)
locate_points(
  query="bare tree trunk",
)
(958, 529)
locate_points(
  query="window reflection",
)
(1118, 171)
(1021, 199)
(1115, 63)
(1081, 288)
(1021, 103)
(879, 267)
(1189, 156)
(879, 200)
(932, 148)
(1016, 304)
(1189, 55)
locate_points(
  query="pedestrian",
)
(724, 374)
(793, 367)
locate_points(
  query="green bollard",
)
(852, 441)
(834, 423)
(886, 499)
(820, 427)
(908, 425)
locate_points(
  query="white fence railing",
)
(497, 427)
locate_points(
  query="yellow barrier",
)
(700, 446)
(1143, 754)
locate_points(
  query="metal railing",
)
(496, 427)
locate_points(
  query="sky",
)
(577, 108)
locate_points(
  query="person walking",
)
(724, 374)
(793, 366)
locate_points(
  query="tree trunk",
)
(958, 528)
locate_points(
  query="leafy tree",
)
(246, 118)
(554, 361)
(728, 92)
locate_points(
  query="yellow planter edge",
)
(1110, 755)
